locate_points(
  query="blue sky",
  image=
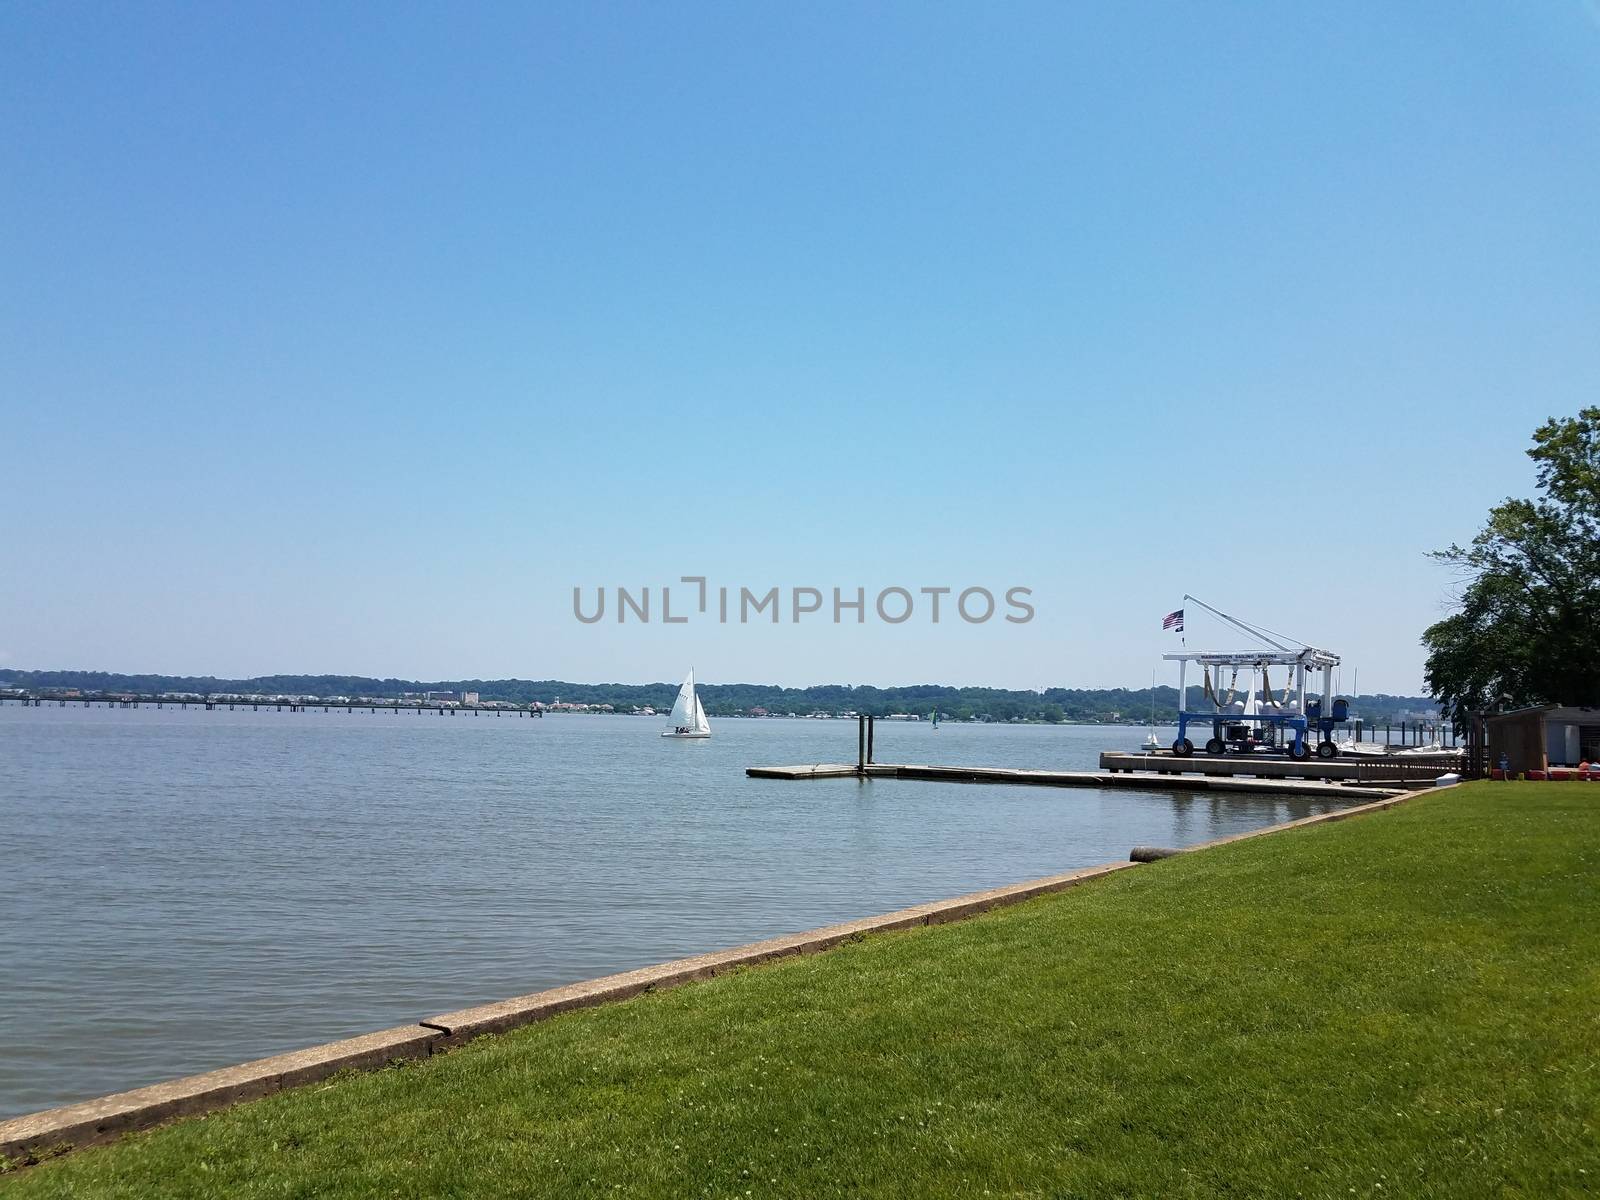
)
(353, 337)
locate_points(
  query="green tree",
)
(1527, 628)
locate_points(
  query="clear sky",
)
(352, 337)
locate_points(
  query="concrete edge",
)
(464, 1024)
(90, 1121)
(1395, 797)
(57, 1130)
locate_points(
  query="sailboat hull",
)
(686, 736)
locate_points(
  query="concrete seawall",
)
(56, 1130)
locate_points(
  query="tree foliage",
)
(1527, 628)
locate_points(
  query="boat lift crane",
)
(1285, 723)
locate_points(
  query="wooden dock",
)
(804, 771)
(1139, 781)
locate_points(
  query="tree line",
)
(1130, 706)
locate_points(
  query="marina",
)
(1364, 777)
(770, 388)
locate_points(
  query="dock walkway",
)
(1397, 769)
(1144, 781)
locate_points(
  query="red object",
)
(1536, 775)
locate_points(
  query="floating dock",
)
(1399, 769)
(1138, 781)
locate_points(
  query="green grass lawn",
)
(1405, 1004)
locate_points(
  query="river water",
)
(182, 890)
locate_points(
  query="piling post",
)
(861, 743)
(871, 726)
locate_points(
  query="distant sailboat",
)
(936, 718)
(687, 717)
(1152, 743)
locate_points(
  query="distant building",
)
(438, 697)
(469, 697)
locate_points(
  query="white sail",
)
(688, 718)
(683, 708)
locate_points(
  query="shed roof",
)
(1490, 718)
(1570, 713)
(1557, 712)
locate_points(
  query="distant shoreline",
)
(977, 705)
(304, 703)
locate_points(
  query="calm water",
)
(183, 890)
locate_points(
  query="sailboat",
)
(687, 717)
(1152, 744)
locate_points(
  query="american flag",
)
(1173, 620)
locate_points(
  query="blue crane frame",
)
(1322, 713)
